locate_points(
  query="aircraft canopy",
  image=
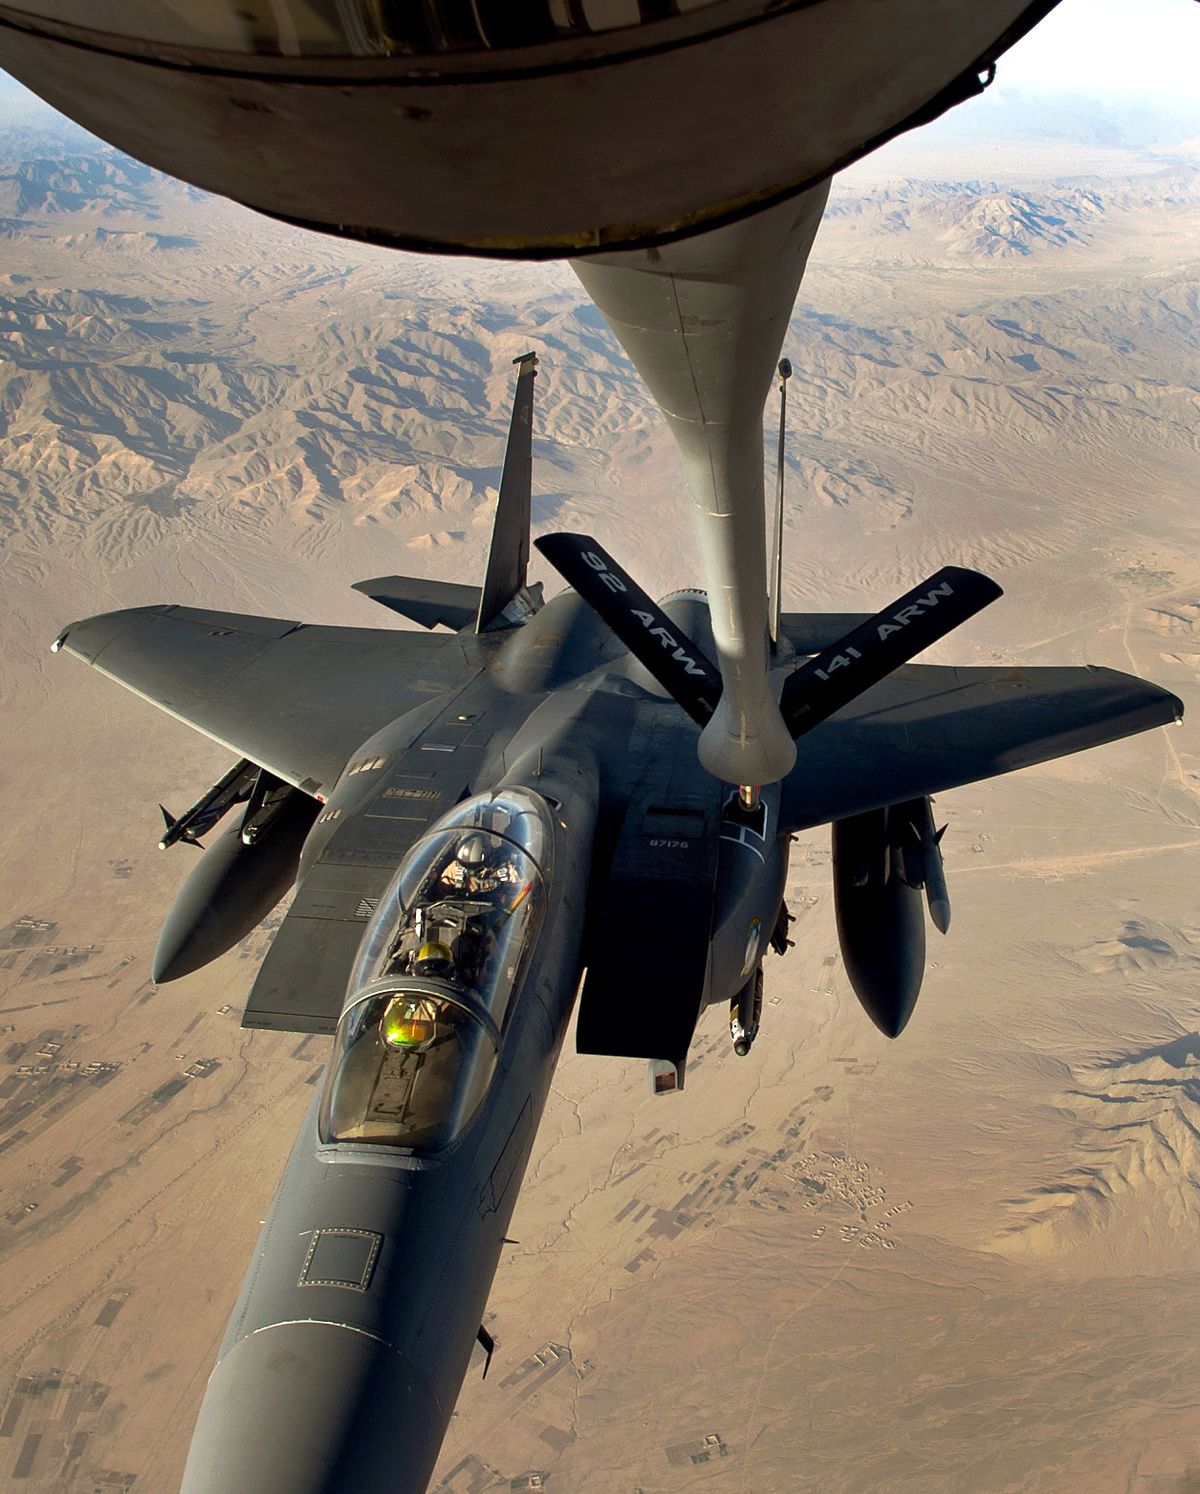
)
(419, 1035)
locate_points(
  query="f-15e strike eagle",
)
(473, 817)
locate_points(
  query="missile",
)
(933, 872)
(232, 888)
(233, 789)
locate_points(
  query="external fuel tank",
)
(880, 917)
(232, 889)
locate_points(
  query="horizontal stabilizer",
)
(301, 983)
(641, 625)
(447, 604)
(871, 651)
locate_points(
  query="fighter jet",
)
(480, 820)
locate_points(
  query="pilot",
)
(480, 867)
(409, 1026)
(434, 961)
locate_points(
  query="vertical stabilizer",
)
(508, 558)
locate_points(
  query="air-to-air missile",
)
(925, 860)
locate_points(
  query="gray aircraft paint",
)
(348, 1384)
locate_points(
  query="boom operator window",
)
(420, 1031)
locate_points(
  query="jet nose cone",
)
(314, 1408)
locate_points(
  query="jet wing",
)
(927, 728)
(294, 698)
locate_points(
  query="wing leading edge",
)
(297, 699)
(928, 728)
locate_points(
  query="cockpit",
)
(425, 1013)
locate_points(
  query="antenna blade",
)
(641, 625)
(871, 651)
(508, 558)
(775, 586)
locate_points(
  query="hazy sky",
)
(1110, 48)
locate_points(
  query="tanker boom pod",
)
(235, 885)
(880, 922)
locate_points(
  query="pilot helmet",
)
(473, 854)
(433, 960)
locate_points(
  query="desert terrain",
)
(965, 1260)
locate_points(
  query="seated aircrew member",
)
(479, 867)
(434, 961)
(408, 1024)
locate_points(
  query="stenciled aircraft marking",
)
(648, 620)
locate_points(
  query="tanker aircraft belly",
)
(471, 819)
